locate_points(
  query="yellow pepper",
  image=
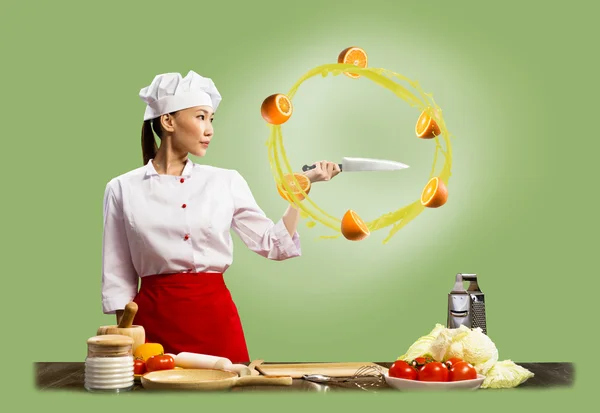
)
(147, 350)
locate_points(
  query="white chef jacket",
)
(161, 224)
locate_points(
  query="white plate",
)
(404, 384)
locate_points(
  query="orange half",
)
(435, 193)
(353, 227)
(353, 56)
(295, 189)
(276, 109)
(427, 127)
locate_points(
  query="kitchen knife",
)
(365, 164)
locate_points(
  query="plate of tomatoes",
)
(425, 373)
(153, 363)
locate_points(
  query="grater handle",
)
(458, 285)
(472, 278)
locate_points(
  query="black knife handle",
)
(309, 167)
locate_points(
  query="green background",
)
(515, 81)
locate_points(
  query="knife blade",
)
(364, 165)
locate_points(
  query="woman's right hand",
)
(323, 171)
(119, 314)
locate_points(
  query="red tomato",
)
(421, 361)
(452, 361)
(462, 371)
(434, 371)
(160, 362)
(402, 370)
(139, 366)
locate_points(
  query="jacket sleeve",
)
(258, 232)
(119, 278)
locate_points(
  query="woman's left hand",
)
(323, 171)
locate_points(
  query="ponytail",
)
(149, 147)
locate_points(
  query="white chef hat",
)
(169, 92)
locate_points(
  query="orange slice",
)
(353, 227)
(304, 185)
(353, 56)
(276, 109)
(435, 193)
(426, 127)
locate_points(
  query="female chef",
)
(168, 223)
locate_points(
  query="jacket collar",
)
(187, 169)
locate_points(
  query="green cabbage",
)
(449, 343)
(505, 374)
(472, 346)
(422, 346)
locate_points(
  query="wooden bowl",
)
(126, 327)
(206, 379)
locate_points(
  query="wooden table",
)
(70, 376)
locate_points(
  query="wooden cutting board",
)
(297, 370)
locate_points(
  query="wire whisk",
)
(365, 378)
(375, 372)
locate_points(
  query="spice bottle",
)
(109, 364)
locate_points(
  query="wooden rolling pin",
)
(188, 360)
(126, 327)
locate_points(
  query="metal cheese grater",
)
(466, 307)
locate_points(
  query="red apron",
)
(191, 312)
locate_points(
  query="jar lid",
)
(110, 340)
(110, 345)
